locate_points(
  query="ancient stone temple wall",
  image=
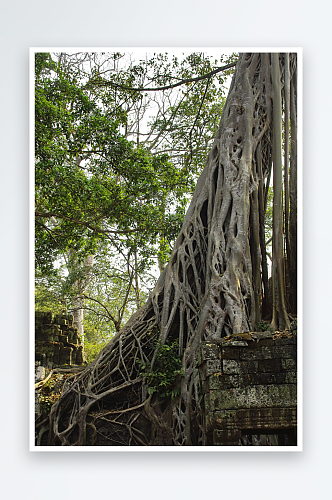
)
(249, 386)
(57, 341)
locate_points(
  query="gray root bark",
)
(209, 289)
(293, 197)
(279, 316)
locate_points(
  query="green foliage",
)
(166, 370)
(263, 326)
(92, 349)
(92, 184)
(47, 397)
(103, 190)
(48, 299)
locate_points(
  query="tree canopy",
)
(115, 167)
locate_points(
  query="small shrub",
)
(263, 326)
(167, 368)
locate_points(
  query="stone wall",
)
(250, 390)
(57, 341)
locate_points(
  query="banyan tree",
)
(216, 282)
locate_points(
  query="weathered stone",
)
(215, 400)
(52, 331)
(220, 382)
(286, 341)
(254, 354)
(287, 351)
(229, 437)
(266, 342)
(80, 355)
(230, 366)
(230, 353)
(235, 343)
(251, 366)
(291, 377)
(213, 366)
(288, 364)
(267, 378)
(48, 317)
(256, 396)
(253, 418)
(215, 382)
(269, 365)
(65, 355)
(40, 373)
(208, 351)
(62, 321)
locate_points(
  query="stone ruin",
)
(57, 341)
(249, 388)
(248, 381)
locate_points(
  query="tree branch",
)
(166, 87)
(86, 224)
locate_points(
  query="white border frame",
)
(210, 50)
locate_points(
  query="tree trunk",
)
(293, 197)
(209, 289)
(80, 286)
(279, 316)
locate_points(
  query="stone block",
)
(207, 351)
(62, 322)
(229, 352)
(79, 355)
(231, 381)
(210, 351)
(228, 437)
(56, 358)
(40, 373)
(291, 377)
(253, 418)
(217, 382)
(230, 366)
(269, 365)
(288, 364)
(251, 366)
(287, 351)
(252, 355)
(267, 378)
(214, 382)
(65, 355)
(286, 341)
(207, 403)
(215, 400)
(212, 366)
(235, 343)
(268, 352)
(73, 357)
(48, 317)
(266, 342)
(256, 396)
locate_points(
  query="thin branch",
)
(86, 224)
(166, 87)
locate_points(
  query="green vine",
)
(163, 376)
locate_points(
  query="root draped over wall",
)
(211, 287)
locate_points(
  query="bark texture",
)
(211, 288)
